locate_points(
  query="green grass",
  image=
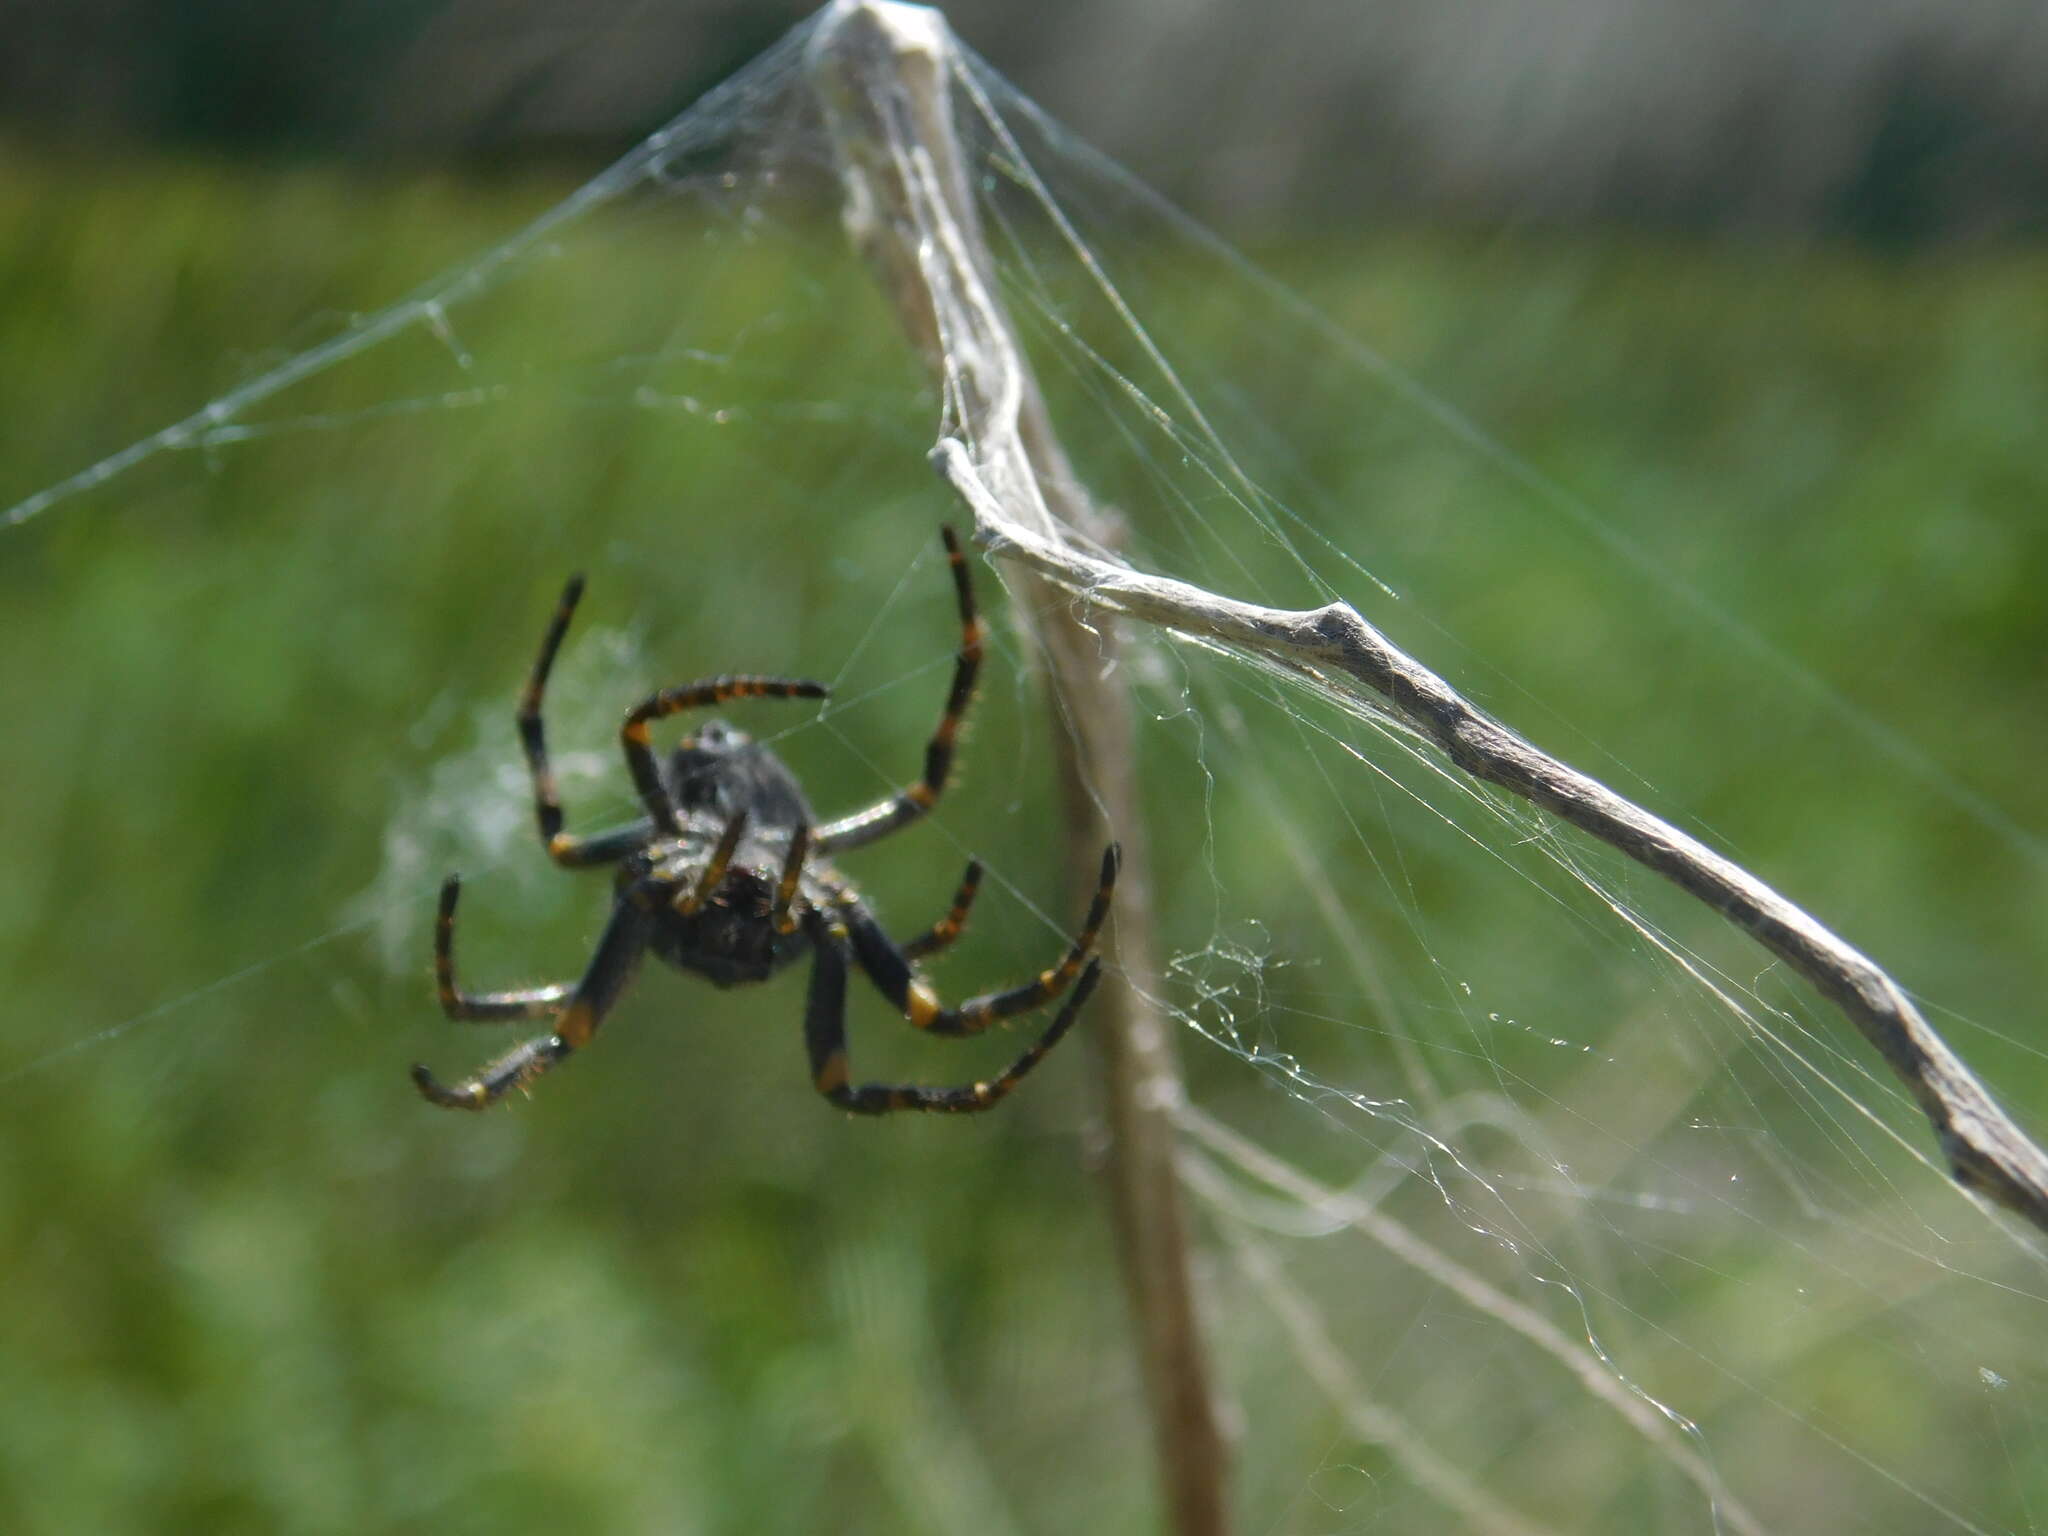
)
(259, 700)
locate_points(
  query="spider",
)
(728, 876)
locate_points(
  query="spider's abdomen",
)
(719, 771)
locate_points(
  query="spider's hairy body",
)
(732, 937)
(728, 877)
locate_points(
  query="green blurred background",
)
(259, 699)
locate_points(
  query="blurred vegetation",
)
(255, 1286)
(1916, 123)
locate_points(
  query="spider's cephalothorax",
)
(727, 876)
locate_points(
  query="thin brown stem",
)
(885, 75)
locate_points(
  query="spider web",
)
(1536, 1200)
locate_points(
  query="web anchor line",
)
(1335, 649)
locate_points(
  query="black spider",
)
(727, 877)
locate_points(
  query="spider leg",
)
(792, 876)
(618, 955)
(901, 809)
(825, 1037)
(483, 1007)
(887, 968)
(567, 851)
(947, 928)
(633, 733)
(715, 867)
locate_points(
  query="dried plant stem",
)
(885, 74)
(1337, 651)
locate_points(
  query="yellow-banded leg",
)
(947, 928)
(570, 852)
(576, 1019)
(483, 1007)
(900, 810)
(825, 1038)
(633, 734)
(792, 878)
(715, 867)
(887, 968)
